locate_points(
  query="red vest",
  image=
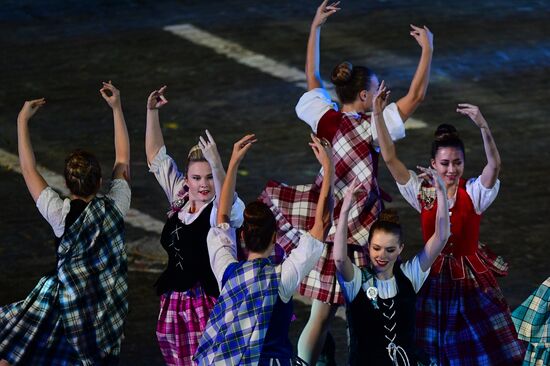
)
(462, 246)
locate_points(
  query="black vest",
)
(188, 261)
(369, 326)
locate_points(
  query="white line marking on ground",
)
(255, 60)
(134, 217)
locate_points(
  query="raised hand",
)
(380, 99)
(474, 113)
(111, 95)
(322, 150)
(423, 36)
(29, 109)
(241, 147)
(353, 189)
(431, 176)
(157, 99)
(323, 12)
(209, 148)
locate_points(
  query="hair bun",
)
(389, 215)
(194, 152)
(445, 131)
(341, 74)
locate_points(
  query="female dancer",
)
(461, 306)
(354, 139)
(249, 324)
(382, 298)
(75, 315)
(187, 288)
(532, 321)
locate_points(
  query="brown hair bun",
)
(341, 74)
(389, 215)
(445, 131)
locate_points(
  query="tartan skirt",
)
(31, 330)
(532, 320)
(182, 319)
(466, 322)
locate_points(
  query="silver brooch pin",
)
(372, 295)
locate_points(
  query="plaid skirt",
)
(182, 319)
(466, 322)
(532, 320)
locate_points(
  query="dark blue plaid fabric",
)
(78, 313)
(238, 323)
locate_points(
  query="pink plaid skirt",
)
(467, 322)
(182, 319)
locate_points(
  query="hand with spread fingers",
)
(380, 99)
(423, 36)
(157, 99)
(241, 147)
(322, 150)
(111, 95)
(323, 12)
(352, 190)
(209, 148)
(474, 113)
(431, 176)
(29, 109)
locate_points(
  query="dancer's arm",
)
(341, 259)
(33, 179)
(419, 84)
(153, 133)
(210, 152)
(490, 172)
(313, 75)
(437, 242)
(121, 168)
(396, 167)
(325, 203)
(240, 149)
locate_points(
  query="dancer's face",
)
(449, 164)
(384, 249)
(200, 182)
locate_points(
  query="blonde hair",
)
(194, 155)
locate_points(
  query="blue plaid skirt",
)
(31, 330)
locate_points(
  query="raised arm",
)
(341, 259)
(153, 133)
(33, 179)
(490, 172)
(323, 214)
(313, 75)
(121, 168)
(397, 169)
(417, 91)
(228, 189)
(210, 152)
(437, 242)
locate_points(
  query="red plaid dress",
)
(294, 206)
(462, 316)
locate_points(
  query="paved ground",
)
(494, 54)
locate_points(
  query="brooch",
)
(428, 196)
(372, 295)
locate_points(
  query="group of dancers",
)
(225, 295)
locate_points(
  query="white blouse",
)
(386, 288)
(481, 197)
(313, 105)
(222, 249)
(55, 209)
(172, 180)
